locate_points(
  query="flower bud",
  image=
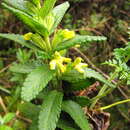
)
(27, 36)
(68, 34)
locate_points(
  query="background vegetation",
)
(87, 17)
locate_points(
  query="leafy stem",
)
(103, 89)
(48, 44)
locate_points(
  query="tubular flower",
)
(78, 65)
(68, 34)
(53, 64)
(27, 36)
(77, 61)
(58, 62)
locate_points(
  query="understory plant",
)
(47, 76)
(121, 72)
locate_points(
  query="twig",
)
(3, 105)
(124, 115)
(89, 29)
(4, 90)
(23, 118)
(5, 83)
(5, 68)
(118, 35)
(122, 11)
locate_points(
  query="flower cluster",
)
(60, 63)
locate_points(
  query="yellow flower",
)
(61, 67)
(77, 61)
(27, 36)
(78, 65)
(57, 55)
(58, 62)
(53, 65)
(68, 34)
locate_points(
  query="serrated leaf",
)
(58, 13)
(23, 68)
(47, 7)
(78, 39)
(35, 82)
(89, 73)
(18, 39)
(28, 20)
(76, 112)
(50, 112)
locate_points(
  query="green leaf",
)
(58, 13)
(25, 108)
(4, 127)
(76, 112)
(28, 7)
(72, 76)
(18, 39)
(23, 68)
(128, 82)
(8, 117)
(28, 20)
(64, 125)
(1, 120)
(81, 40)
(51, 111)
(36, 2)
(75, 81)
(47, 7)
(80, 85)
(25, 111)
(18, 4)
(36, 81)
(15, 98)
(83, 101)
(89, 73)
